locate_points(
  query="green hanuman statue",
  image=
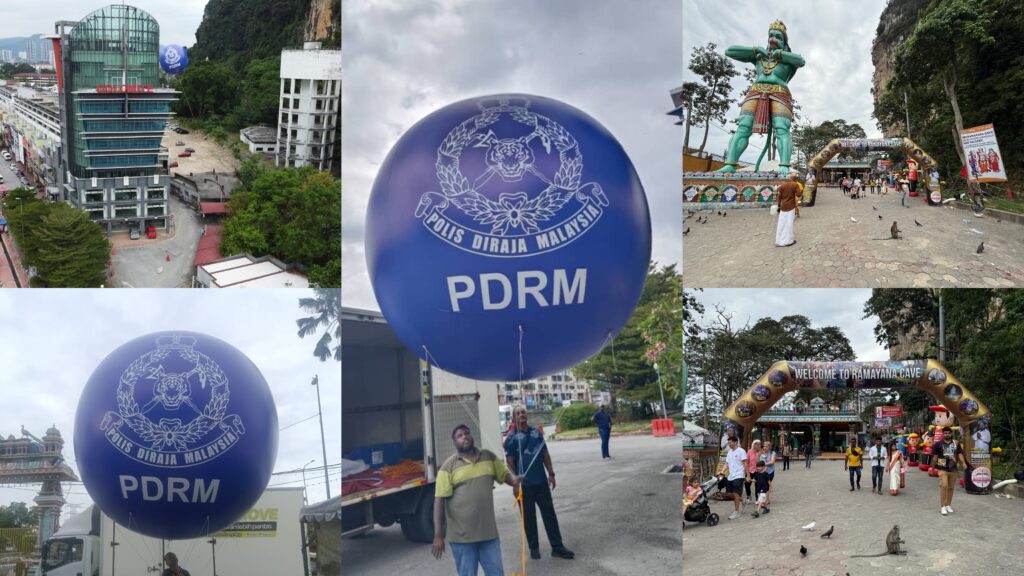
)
(768, 104)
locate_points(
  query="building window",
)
(284, 117)
(126, 195)
(295, 103)
(285, 103)
(294, 134)
(287, 85)
(295, 118)
(298, 86)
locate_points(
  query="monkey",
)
(894, 233)
(892, 545)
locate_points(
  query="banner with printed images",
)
(984, 162)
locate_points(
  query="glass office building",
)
(113, 117)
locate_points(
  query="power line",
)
(299, 422)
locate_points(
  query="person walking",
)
(736, 461)
(527, 454)
(604, 429)
(852, 461)
(946, 455)
(768, 456)
(808, 454)
(761, 488)
(855, 193)
(879, 457)
(464, 496)
(753, 455)
(173, 569)
(787, 451)
(895, 469)
(786, 201)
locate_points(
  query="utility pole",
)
(311, 460)
(664, 410)
(323, 443)
(942, 330)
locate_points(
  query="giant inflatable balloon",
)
(507, 237)
(173, 59)
(176, 435)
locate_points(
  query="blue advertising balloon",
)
(507, 237)
(176, 435)
(173, 59)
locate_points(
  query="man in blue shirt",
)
(604, 428)
(527, 454)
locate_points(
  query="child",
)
(761, 489)
(693, 491)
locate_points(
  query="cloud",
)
(403, 60)
(834, 38)
(178, 19)
(54, 339)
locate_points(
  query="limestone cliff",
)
(324, 20)
(895, 25)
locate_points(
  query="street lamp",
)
(323, 443)
(664, 410)
(304, 479)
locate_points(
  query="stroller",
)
(700, 510)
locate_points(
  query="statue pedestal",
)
(717, 190)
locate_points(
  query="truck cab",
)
(74, 550)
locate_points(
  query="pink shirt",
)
(752, 460)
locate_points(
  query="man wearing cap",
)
(786, 200)
(464, 494)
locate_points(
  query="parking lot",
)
(208, 155)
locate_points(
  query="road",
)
(143, 263)
(984, 535)
(738, 251)
(620, 516)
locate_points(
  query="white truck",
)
(268, 539)
(397, 408)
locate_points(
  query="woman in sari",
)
(895, 469)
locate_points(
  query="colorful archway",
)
(840, 145)
(784, 377)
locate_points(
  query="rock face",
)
(324, 19)
(895, 26)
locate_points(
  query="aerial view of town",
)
(140, 154)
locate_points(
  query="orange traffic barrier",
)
(663, 427)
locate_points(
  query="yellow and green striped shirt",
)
(468, 490)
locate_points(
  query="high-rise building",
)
(113, 117)
(310, 106)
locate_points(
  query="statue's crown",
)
(781, 27)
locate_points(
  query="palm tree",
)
(326, 309)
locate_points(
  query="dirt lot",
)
(208, 155)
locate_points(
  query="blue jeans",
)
(606, 434)
(486, 554)
(854, 470)
(876, 476)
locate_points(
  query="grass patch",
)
(624, 427)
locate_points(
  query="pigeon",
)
(687, 231)
(705, 221)
(917, 223)
(809, 527)
(803, 550)
(879, 216)
(875, 209)
(852, 219)
(724, 214)
(981, 248)
(828, 533)
(719, 213)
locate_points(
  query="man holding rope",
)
(464, 494)
(527, 454)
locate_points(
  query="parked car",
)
(192, 150)
(133, 233)
(1, 178)
(151, 232)
(182, 131)
(179, 143)
(184, 154)
(172, 165)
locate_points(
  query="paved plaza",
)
(984, 535)
(738, 250)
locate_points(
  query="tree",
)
(72, 250)
(712, 98)
(9, 69)
(688, 95)
(18, 515)
(259, 94)
(325, 307)
(809, 140)
(208, 88)
(662, 330)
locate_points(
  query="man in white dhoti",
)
(786, 200)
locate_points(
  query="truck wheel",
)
(419, 526)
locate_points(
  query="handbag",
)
(774, 210)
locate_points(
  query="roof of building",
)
(213, 208)
(260, 134)
(35, 76)
(245, 271)
(211, 185)
(209, 246)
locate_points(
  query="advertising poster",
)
(984, 162)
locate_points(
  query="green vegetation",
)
(67, 248)
(234, 32)
(808, 140)
(18, 515)
(325, 307)
(575, 416)
(8, 69)
(291, 214)
(962, 66)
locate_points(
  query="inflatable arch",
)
(784, 377)
(839, 145)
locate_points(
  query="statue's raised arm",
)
(768, 104)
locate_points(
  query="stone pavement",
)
(985, 534)
(739, 250)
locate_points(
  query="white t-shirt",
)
(737, 461)
(878, 451)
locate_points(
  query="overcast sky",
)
(54, 339)
(178, 19)
(840, 307)
(833, 37)
(613, 60)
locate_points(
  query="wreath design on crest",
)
(173, 390)
(509, 159)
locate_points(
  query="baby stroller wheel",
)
(712, 519)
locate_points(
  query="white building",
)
(310, 106)
(259, 139)
(245, 271)
(549, 390)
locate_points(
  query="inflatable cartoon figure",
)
(925, 460)
(913, 440)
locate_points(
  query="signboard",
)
(984, 162)
(884, 165)
(888, 411)
(883, 422)
(124, 88)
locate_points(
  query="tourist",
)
(852, 461)
(871, 183)
(808, 454)
(946, 454)
(736, 460)
(693, 491)
(768, 456)
(879, 457)
(786, 453)
(787, 195)
(753, 455)
(761, 487)
(604, 430)
(896, 468)
(904, 191)
(855, 193)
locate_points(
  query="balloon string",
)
(522, 363)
